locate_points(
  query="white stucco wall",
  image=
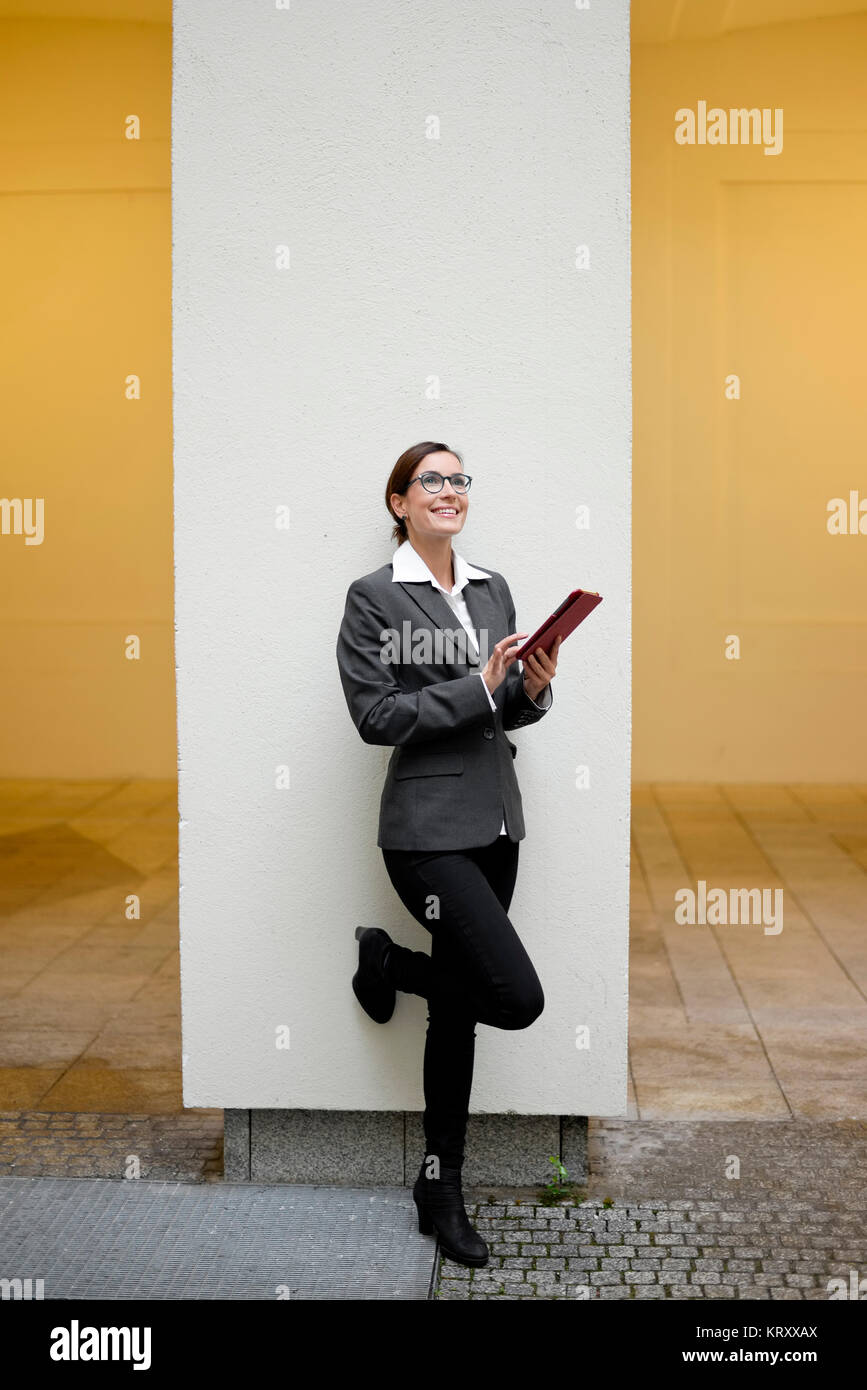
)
(298, 387)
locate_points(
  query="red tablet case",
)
(572, 611)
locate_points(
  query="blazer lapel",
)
(441, 615)
(484, 611)
(489, 621)
(431, 602)
(486, 616)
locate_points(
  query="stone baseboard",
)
(375, 1148)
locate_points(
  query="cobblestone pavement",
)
(64, 1144)
(686, 1249)
(660, 1219)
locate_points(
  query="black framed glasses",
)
(433, 482)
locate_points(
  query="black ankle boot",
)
(440, 1205)
(371, 983)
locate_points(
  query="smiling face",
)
(430, 514)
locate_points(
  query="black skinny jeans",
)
(478, 971)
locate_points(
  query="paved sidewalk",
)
(92, 1238)
(658, 1219)
(69, 1144)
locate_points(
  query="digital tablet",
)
(572, 611)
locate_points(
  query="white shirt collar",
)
(407, 565)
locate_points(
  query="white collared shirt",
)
(407, 565)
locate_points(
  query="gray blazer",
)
(451, 778)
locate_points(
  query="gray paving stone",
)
(93, 1238)
(185, 1148)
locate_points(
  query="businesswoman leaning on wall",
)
(450, 812)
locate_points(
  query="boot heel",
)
(425, 1224)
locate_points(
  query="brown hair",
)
(401, 474)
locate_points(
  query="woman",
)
(427, 657)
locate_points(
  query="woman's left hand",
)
(540, 669)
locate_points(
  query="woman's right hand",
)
(504, 653)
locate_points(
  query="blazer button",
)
(489, 733)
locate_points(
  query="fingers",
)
(508, 652)
(541, 659)
(541, 665)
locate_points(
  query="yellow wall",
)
(741, 263)
(751, 264)
(86, 294)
